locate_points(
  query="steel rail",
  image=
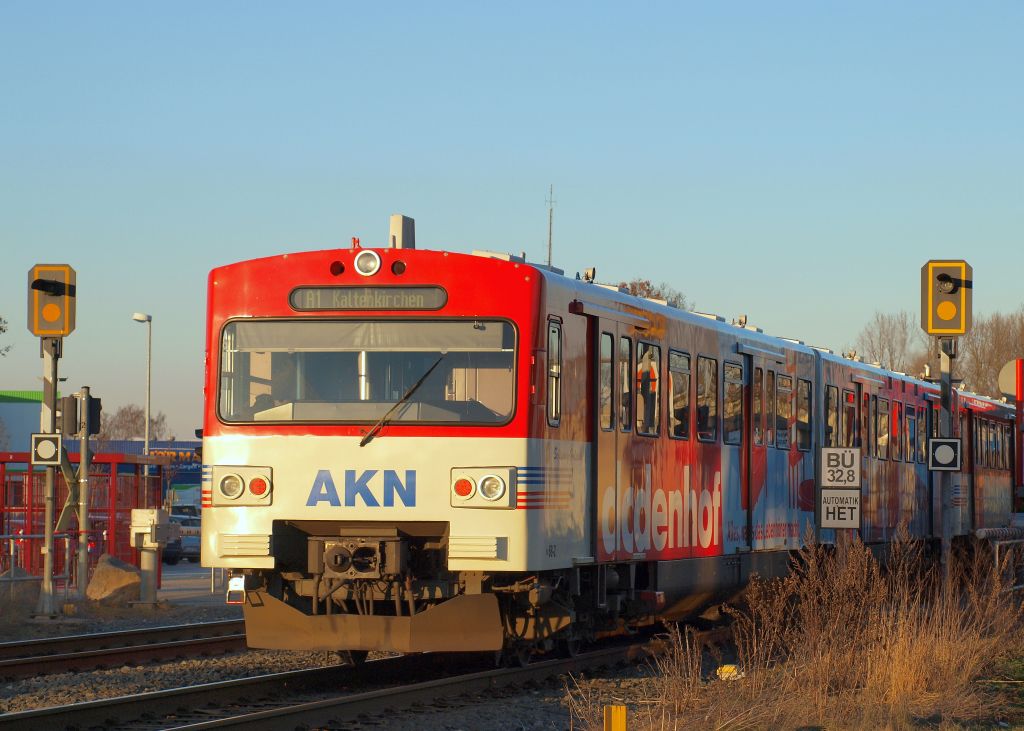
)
(108, 649)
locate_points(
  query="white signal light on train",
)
(258, 486)
(492, 487)
(231, 486)
(464, 488)
(367, 262)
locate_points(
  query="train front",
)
(366, 411)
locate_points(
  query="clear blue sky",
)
(794, 161)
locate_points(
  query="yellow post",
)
(614, 718)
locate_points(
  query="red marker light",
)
(464, 487)
(258, 486)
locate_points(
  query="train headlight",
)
(231, 486)
(464, 488)
(492, 487)
(367, 262)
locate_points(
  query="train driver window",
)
(679, 380)
(831, 416)
(881, 427)
(707, 399)
(783, 410)
(769, 421)
(758, 415)
(648, 368)
(732, 404)
(804, 422)
(607, 381)
(554, 372)
(625, 383)
(849, 422)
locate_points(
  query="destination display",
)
(368, 298)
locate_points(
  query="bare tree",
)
(988, 345)
(129, 422)
(663, 291)
(895, 340)
(3, 328)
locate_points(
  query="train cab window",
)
(554, 372)
(911, 434)
(831, 416)
(848, 438)
(803, 414)
(707, 399)
(897, 430)
(625, 384)
(922, 433)
(769, 421)
(758, 415)
(783, 409)
(607, 376)
(648, 370)
(732, 404)
(679, 381)
(881, 427)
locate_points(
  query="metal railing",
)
(16, 551)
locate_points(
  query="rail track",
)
(316, 697)
(114, 649)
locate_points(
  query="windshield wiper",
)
(384, 419)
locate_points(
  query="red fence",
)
(117, 483)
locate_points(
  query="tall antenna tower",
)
(551, 217)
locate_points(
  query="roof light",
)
(367, 262)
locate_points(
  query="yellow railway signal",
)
(946, 289)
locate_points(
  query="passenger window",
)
(626, 383)
(732, 406)
(648, 369)
(758, 409)
(849, 422)
(707, 399)
(783, 410)
(911, 434)
(803, 414)
(607, 381)
(832, 435)
(769, 421)
(679, 378)
(881, 427)
(922, 434)
(554, 372)
(897, 430)
(865, 424)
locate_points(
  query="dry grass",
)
(842, 644)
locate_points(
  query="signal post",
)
(947, 287)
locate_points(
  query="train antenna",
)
(551, 217)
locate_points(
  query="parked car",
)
(190, 529)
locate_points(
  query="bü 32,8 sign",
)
(840, 467)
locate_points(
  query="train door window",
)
(783, 409)
(1007, 448)
(554, 372)
(865, 424)
(935, 421)
(881, 427)
(732, 404)
(897, 430)
(758, 409)
(849, 421)
(625, 384)
(922, 433)
(803, 414)
(831, 416)
(911, 434)
(985, 450)
(769, 420)
(707, 399)
(679, 378)
(648, 371)
(607, 381)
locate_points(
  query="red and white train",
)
(421, 450)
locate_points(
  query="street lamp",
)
(142, 317)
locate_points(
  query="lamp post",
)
(148, 319)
